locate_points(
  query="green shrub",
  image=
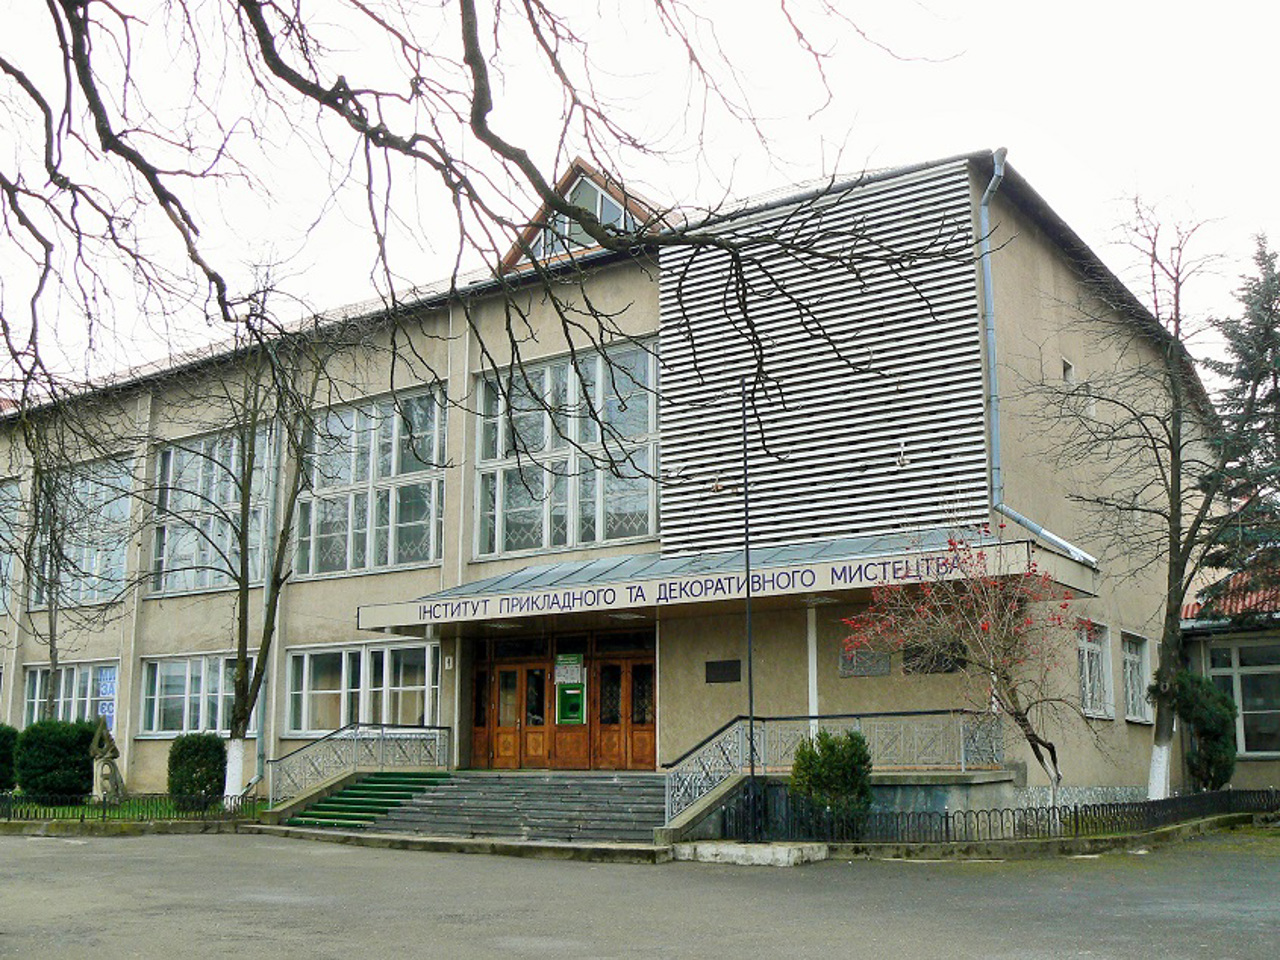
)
(1211, 715)
(51, 758)
(197, 770)
(834, 770)
(8, 737)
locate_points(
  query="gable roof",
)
(639, 208)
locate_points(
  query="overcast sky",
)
(1096, 102)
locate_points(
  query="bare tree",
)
(224, 498)
(134, 126)
(70, 534)
(1144, 419)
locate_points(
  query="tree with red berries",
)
(1008, 635)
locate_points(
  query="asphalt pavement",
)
(240, 896)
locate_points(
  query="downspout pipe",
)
(993, 389)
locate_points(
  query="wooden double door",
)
(514, 720)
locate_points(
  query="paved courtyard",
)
(250, 896)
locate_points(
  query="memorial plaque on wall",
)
(864, 663)
(724, 671)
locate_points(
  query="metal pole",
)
(746, 554)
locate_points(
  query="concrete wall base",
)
(751, 854)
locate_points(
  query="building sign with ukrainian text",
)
(854, 574)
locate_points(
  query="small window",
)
(1137, 677)
(1068, 372)
(1094, 656)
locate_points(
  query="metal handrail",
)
(967, 739)
(355, 747)
(740, 718)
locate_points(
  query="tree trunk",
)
(1161, 752)
(233, 786)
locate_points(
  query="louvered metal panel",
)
(861, 310)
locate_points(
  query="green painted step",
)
(367, 800)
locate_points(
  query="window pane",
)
(589, 411)
(488, 512)
(376, 683)
(626, 389)
(1220, 658)
(295, 692)
(489, 428)
(325, 676)
(642, 710)
(507, 708)
(1260, 691)
(417, 424)
(353, 686)
(522, 508)
(587, 505)
(610, 693)
(334, 435)
(331, 534)
(559, 404)
(359, 531)
(304, 537)
(413, 523)
(626, 500)
(382, 528)
(535, 698)
(1260, 656)
(527, 415)
(1262, 732)
(559, 503)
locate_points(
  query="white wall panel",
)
(860, 312)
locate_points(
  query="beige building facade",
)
(523, 516)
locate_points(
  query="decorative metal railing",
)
(772, 813)
(920, 740)
(356, 747)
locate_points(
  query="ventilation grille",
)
(860, 313)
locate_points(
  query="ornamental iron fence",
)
(769, 812)
(357, 747)
(137, 807)
(946, 740)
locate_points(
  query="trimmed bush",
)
(834, 771)
(1211, 715)
(197, 770)
(51, 758)
(8, 738)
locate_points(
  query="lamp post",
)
(751, 686)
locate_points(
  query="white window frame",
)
(96, 543)
(198, 715)
(201, 516)
(563, 468)
(1093, 647)
(80, 691)
(358, 698)
(1234, 674)
(1136, 656)
(359, 465)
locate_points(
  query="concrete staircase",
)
(584, 807)
(366, 801)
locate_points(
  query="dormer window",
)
(562, 235)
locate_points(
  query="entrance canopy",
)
(655, 580)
